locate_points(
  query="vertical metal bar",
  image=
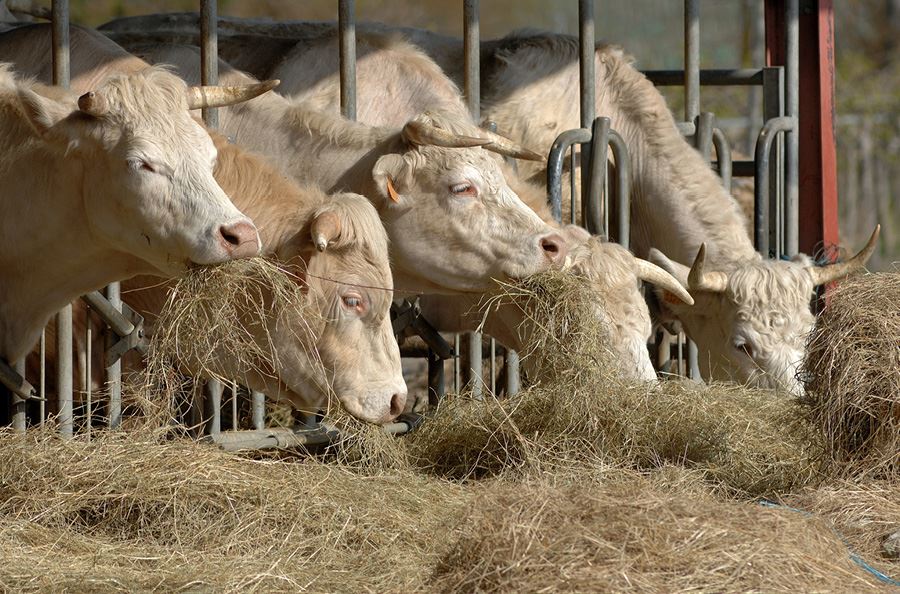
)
(691, 59)
(704, 137)
(773, 107)
(492, 368)
(114, 371)
(623, 188)
(456, 370)
(60, 37)
(42, 390)
(472, 50)
(209, 54)
(472, 89)
(723, 157)
(258, 404)
(347, 28)
(587, 82)
(513, 381)
(214, 406)
(18, 403)
(476, 370)
(594, 207)
(573, 181)
(234, 405)
(88, 337)
(792, 109)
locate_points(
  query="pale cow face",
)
(455, 224)
(751, 322)
(147, 178)
(349, 279)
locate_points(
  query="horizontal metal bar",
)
(712, 78)
(112, 316)
(14, 381)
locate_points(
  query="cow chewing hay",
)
(224, 317)
(853, 374)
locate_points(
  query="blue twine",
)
(881, 577)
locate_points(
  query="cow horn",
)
(324, 229)
(422, 134)
(831, 272)
(93, 104)
(714, 282)
(216, 96)
(651, 273)
(508, 148)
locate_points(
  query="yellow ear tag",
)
(392, 192)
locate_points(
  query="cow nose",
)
(398, 403)
(554, 248)
(239, 239)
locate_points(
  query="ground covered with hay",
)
(579, 483)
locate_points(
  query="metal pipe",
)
(114, 371)
(214, 391)
(88, 339)
(735, 77)
(792, 110)
(17, 402)
(347, 28)
(587, 83)
(723, 157)
(703, 139)
(691, 59)
(234, 405)
(472, 50)
(513, 380)
(623, 188)
(555, 166)
(595, 208)
(209, 54)
(764, 142)
(42, 388)
(476, 368)
(258, 406)
(109, 308)
(60, 41)
(492, 366)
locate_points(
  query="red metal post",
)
(818, 159)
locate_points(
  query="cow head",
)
(615, 275)
(146, 173)
(453, 220)
(751, 320)
(345, 266)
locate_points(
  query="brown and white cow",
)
(96, 188)
(337, 249)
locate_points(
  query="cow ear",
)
(52, 120)
(389, 174)
(669, 303)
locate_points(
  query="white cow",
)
(101, 187)
(752, 326)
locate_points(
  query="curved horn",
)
(714, 282)
(324, 229)
(198, 97)
(93, 104)
(422, 134)
(651, 273)
(508, 148)
(831, 272)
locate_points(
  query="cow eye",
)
(142, 165)
(353, 301)
(463, 189)
(745, 347)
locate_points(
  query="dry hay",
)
(853, 374)
(749, 441)
(121, 513)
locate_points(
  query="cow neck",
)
(678, 201)
(52, 256)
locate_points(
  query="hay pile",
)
(577, 484)
(853, 374)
